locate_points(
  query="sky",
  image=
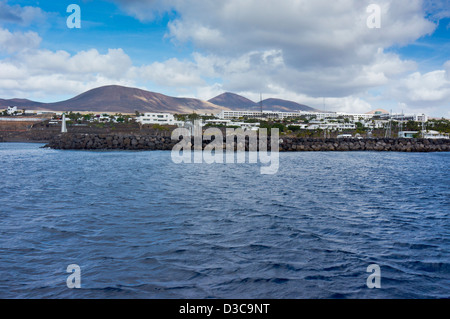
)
(325, 54)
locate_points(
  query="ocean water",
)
(140, 226)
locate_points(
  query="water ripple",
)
(140, 226)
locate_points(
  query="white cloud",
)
(437, 9)
(11, 42)
(113, 64)
(20, 15)
(315, 31)
(324, 48)
(171, 73)
(292, 49)
(44, 73)
(424, 90)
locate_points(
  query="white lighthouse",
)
(63, 124)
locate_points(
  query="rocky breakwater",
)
(380, 144)
(70, 141)
(76, 141)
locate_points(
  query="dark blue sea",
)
(140, 226)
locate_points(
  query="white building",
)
(332, 126)
(421, 118)
(345, 136)
(104, 118)
(355, 117)
(11, 110)
(407, 134)
(435, 135)
(319, 115)
(218, 122)
(352, 117)
(423, 134)
(228, 115)
(375, 124)
(38, 112)
(245, 126)
(157, 118)
(406, 117)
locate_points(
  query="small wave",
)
(432, 267)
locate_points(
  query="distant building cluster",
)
(251, 120)
(332, 121)
(354, 117)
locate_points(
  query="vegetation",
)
(294, 128)
(160, 127)
(208, 117)
(413, 126)
(194, 116)
(73, 117)
(251, 121)
(271, 125)
(442, 125)
(180, 117)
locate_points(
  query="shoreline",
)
(25, 142)
(74, 141)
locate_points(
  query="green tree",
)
(412, 126)
(194, 116)
(180, 117)
(294, 128)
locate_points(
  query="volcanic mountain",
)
(120, 99)
(21, 104)
(238, 102)
(233, 101)
(285, 106)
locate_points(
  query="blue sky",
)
(313, 52)
(104, 26)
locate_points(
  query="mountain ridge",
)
(240, 103)
(232, 100)
(121, 99)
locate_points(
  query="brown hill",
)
(120, 99)
(285, 106)
(20, 103)
(114, 98)
(238, 102)
(233, 101)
